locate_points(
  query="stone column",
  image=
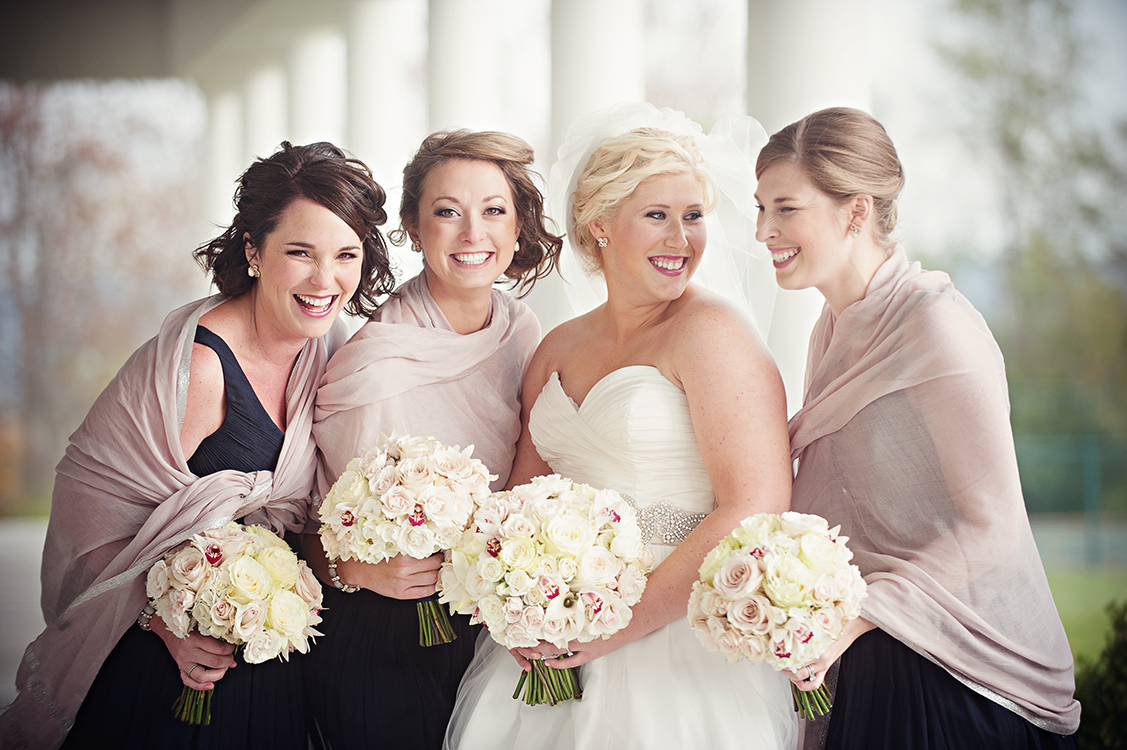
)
(317, 94)
(386, 104)
(802, 56)
(265, 116)
(465, 74)
(226, 160)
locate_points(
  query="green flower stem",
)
(193, 706)
(434, 623)
(812, 704)
(545, 684)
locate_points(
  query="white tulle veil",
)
(734, 264)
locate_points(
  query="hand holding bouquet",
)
(778, 589)
(407, 495)
(242, 585)
(550, 561)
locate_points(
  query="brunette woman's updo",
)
(319, 172)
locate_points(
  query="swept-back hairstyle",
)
(844, 152)
(616, 169)
(539, 249)
(324, 174)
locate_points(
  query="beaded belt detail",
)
(662, 523)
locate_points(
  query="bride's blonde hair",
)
(616, 169)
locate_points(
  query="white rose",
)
(156, 582)
(307, 586)
(797, 524)
(614, 616)
(440, 505)
(175, 618)
(250, 618)
(519, 581)
(627, 547)
(712, 603)
(383, 480)
(532, 618)
(414, 473)
(728, 643)
(631, 584)
(397, 502)
(348, 490)
(829, 622)
(447, 537)
(281, 564)
(567, 568)
(514, 607)
(263, 645)
(788, 582)
(221, 614)
(819, 553)
(491, 611)
(411, 446)
(739, 576)
(517, 636)
(598, 567)
(287, 614)
(479, 585)
(491, 568)
(715, 558)
(751, 615)
(753, 647)
(755, 530)
(188, 568)
(519, 526)
(452, 464)
(265, 537)
(249, 580)
(568, 534)
(416, 541)
(519, 553)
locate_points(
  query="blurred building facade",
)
(375, 76)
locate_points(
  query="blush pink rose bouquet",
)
(779, 589)
(551, 560)
(406, 496)
(242, 585)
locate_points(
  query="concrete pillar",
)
(386, 107)
(598, 58)
(317, 72)
(265, 116)
(465, 72)
(832, 69)
(226, 160)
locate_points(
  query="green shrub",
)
(1101, 688)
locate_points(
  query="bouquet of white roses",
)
(242, 585)
(551, 561)
(778, 589)
(407, 495)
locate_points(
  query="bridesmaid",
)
(207, 423)
(904, 440)
(443, 357)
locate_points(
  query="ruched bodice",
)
(633, 433)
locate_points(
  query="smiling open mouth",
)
(472, 259)
(315, 305)
(784, 255)
(666, 263)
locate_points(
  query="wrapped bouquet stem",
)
(242, 585)
(549, 561)
(406, 496)
(779, 589)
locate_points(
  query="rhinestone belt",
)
(662, 523)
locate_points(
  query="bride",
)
(665, 393)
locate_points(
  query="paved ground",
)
(1064, 542)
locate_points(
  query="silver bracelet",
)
(144, 620)
(336, 578)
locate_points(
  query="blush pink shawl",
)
(904, 439)
(408, 369)
(123, 497)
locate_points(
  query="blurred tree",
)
(97, 208)
(1062, 319)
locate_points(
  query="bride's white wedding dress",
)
(632, 433)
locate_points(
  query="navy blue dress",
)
(129, 705)
(888, 697)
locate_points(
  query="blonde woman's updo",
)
(844, 152)
(616, 169)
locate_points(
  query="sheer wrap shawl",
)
(123, 497)
(408, 369)
(904, 439)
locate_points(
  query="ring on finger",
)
(193, 669)
(809, 672)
